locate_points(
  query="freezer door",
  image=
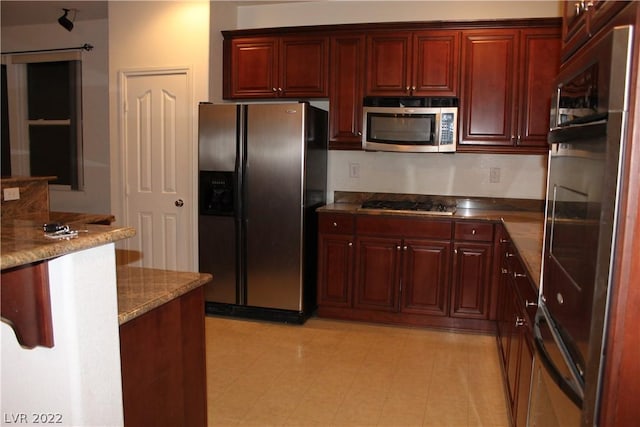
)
(219, 215)
(273, 201)
(217, 137)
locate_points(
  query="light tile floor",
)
(334, 373)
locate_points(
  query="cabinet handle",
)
(404, 248)
(407, 89)
(504, 270)
(398, 248)
(455, 251)
(520, 321)
(335, 224)
(528, 303)
(504, 241)
(473, 232)
(359, 133)
(508, 254)
(350, 244)
(516, 275)
(273, 89)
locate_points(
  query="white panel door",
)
(158, 168)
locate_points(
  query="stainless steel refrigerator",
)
(262, 175)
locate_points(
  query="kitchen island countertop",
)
(24, 242)
(141, 290)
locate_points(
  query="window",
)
(46, 116)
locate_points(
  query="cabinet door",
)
(377, 273)
(436, 64)
(346, 91)
(504, 314)
(425, 277)
(540, 62)
(304, 67)
(513, 344)
(471, 280)
(574, 23)
(388, 64)
(525, 368)
(488, 89)
(335, 266)
(253, 68)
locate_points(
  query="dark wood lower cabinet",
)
(471, 276)
(377, 273)
(163, 365)
(425, 277)
(515, 332)
(395, 269)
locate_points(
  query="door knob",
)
(179, 203)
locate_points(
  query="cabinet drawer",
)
(476, 231)
(336, 223)
(406, 227)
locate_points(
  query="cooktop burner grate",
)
(407, 205)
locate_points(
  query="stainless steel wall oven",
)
(588, 118)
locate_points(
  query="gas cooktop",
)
(425, 207)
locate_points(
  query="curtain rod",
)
(85, 46)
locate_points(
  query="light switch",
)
(494, 175)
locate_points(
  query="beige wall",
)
(458, 174)
(342, 12)
(147, 35)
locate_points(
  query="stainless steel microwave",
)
(410, 125)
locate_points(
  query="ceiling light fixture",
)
(66, 22)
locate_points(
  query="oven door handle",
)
(585, 131)
(553, 371)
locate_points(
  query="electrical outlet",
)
(354, 170)
(494, 175)
(12, 193)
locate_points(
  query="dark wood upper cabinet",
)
(583, 19)
(388, 64)
(272, 67)
(424, 63)
(436, 65)
(506, 88)
(488, 87)
(346, 90)
(539, 64)
(252, 68)
(501, 71)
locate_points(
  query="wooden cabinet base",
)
(407, 319)
(163, 365)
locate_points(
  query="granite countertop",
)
(140, 290)
(23, 241)
(525, 227)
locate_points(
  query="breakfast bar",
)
(77, 331)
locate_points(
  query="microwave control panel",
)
(447, 128)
